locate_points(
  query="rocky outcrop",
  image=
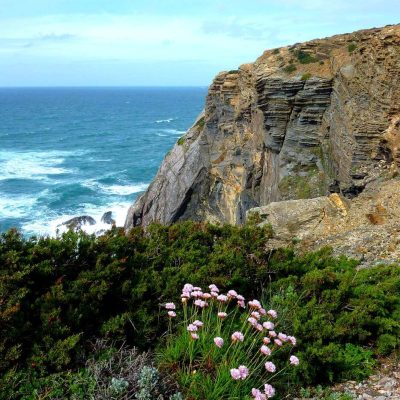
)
(77, 223)
(301, 122)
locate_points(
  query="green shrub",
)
(351, 47)
(305, 58)
(289, 68)
(181, 141)
(306, 76)
(275, 51)
(200, 123)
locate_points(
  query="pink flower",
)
(219, 342)
(196, 294)
(185, 295)
(262, 311)
(272, 333)
(256, 315)
(194, 336)
(240, 297)
(244, 372)
(171, 314)
(198, 323)
(270, 367)
(269, 326)
(255, 304)
(266, 340)
(252, 321)
(200, 303)
(187, 287)
(206, 296)
(259, 327)
(170, 306)
(192, 328)
(222, 298)
(241, 303)
(235, 374)
(292, 340)
(294, 360)
(214, 294)
(282, 337)
(213, 288)
(278, 342)
(232, 294)
(222, 315)
(272, 313)
(237, 336)
(265, 350)
(269, 391)
(258, 395)
(197, 288)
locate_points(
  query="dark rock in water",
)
(77, 222)
(107, 218)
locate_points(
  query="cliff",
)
(302, 121)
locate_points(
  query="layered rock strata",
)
(301, 122)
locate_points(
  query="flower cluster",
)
(257, 324)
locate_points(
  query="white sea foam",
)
(174, 131)
(52, 225)
(159, 121)
(120, 190)
(16, 206)
(32, 165)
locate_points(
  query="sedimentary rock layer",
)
(300, 122)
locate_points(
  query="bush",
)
(351, 47)
(289, 68)
(305, 58)
(58, 294)
(181, 141)
(306, 76)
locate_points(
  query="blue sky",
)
(163, 42)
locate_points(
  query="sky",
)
(163, 42)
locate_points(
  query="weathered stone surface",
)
(107, 218)
(273, 132)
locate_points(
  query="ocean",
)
(66, 152)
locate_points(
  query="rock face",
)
(77, 223)
(300, 122)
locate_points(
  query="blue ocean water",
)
(66, 152)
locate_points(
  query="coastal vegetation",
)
(61, 296)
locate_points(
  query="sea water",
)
(66, 152)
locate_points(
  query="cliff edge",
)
(302, 121)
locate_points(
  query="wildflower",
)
(262, 311)
(194, 336)
(252, 321)
(269, 326)
(222, 298)
(187, 287)
(278, 342)
(294, 360)
(235, 374)
(282, 337)
(244, 372)
(258, 395)
(196, 288)
(255, 304)
(198, 323)
(266, 340)
(259, 327)
(269, 391)
(170, 306)
(171, 314)
(270, 366)
(241, 303)
(222, 315)
(185, 295)
(237, 336)
(219, 342)
(192, 328)
(292, 340)
(256, 315)
(197, 293)
(265, 350)
(240, 297)
(206, 296)
(214, 294)
(213, 288)
(272, 333)
(232, 294)
(272, 313)
(200, 303)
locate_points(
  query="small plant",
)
(306, 76)
(351, 47)
(200, 123)
(181, 141)
(275, 51)
(305, 58)
(289, 68)
(223, 348)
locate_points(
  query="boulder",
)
(107, 218)
(77, 223)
